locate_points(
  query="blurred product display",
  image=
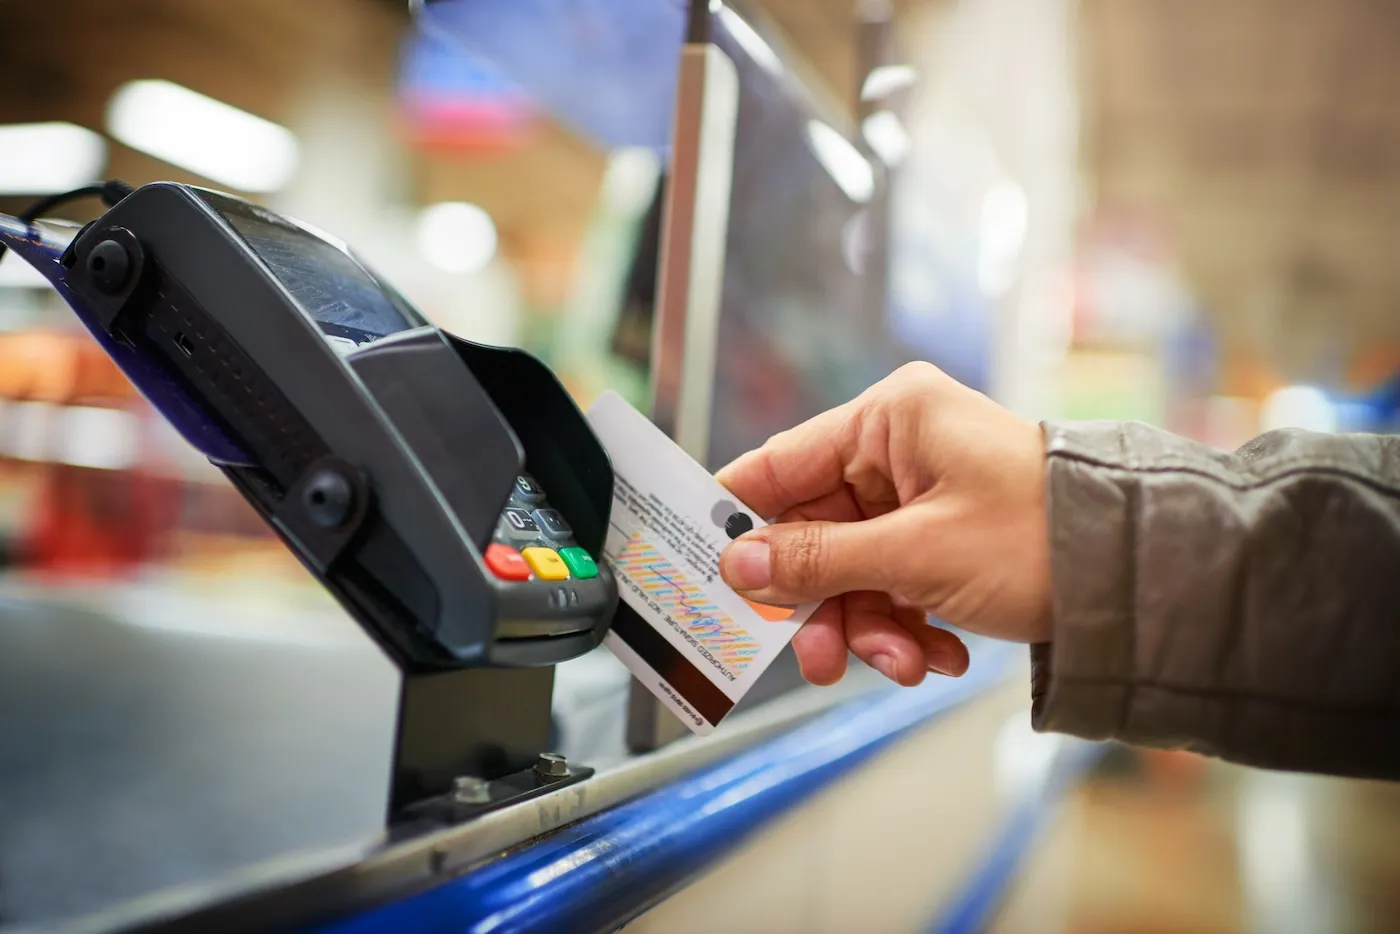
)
(106, 488)
(96, 502)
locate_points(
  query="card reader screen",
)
(351, 306)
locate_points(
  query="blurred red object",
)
(91, 523)
(86, 520)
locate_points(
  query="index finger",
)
(794, 466)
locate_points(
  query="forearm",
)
(1245, 605)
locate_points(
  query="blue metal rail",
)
(607, 870)
(978, 901)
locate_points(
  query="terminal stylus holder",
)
(450, 495)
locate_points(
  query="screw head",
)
(468, 789)
(109, 267)
(552, 765)
(328, 499)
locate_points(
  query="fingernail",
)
(884, 664)
(945, 663)
(748, 566)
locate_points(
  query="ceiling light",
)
(751, 42)
(850, 170)
(457, 237)
(203, 135)
(45, 158)
(886, 80)
(886, 136)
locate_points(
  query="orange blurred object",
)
(60, 367)
(1374, 365)
(1174, 770)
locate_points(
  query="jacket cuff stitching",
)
(1159, 467)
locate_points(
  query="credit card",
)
(695, 643)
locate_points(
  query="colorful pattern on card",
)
(686, 603)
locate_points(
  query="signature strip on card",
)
(731, 646)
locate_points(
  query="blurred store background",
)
(1180, 211)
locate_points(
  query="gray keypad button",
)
(518, 524)
(527, 490)
(553, 525)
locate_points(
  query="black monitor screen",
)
(797, 334)
(829, 283)
(801, 328)
(332, 287)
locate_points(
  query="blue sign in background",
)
(435, 66)
(605, 67)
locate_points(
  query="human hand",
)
(921, 496)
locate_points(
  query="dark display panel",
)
(348, 303)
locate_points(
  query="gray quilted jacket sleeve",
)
(1242, 605)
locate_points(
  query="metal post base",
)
(472, 797)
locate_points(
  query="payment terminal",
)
(450, 495)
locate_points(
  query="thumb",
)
(799, 562)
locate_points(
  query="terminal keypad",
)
(533, 541)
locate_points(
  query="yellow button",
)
(546, 564)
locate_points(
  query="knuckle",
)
(806, 557)
(919, 371)
(918, 377)
(917, 368)
(913, 384)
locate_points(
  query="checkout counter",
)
(190, 761)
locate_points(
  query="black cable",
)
(110, 192)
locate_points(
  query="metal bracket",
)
(471, 797)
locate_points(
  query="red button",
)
(507, 563)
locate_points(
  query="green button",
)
(580, 563)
